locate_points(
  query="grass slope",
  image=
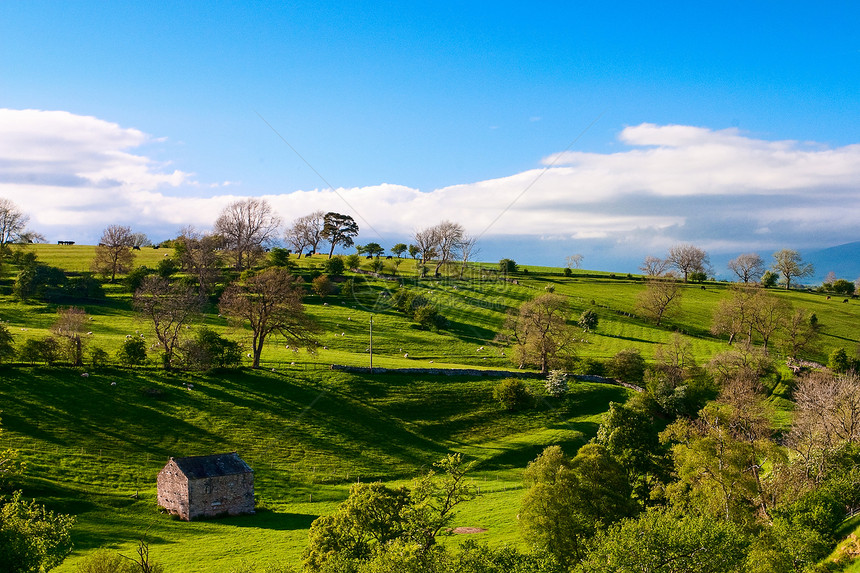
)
(94, 449)
(309, 432)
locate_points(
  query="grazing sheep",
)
(406, 355)
(85, 375)
(90, 333)
(113, 383)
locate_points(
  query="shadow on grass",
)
(266, 519)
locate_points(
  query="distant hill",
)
(844, 260)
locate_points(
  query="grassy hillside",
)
(94, 449)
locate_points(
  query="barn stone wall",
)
(173, 490)
(213, 496)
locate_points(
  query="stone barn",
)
(206, 486)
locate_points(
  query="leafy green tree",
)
(132, 352)
(512, 394)
(208, 349)
(334, 266)
(627, 365)
(45, 350)
(630, 436)
(98, 357)
(32, 539)
(7, 345)
(135, 277)
(660, 541)
(374, 249)
(322, 286)
(339, 230)
(375, 515)
(508, 266)
(838, 361)
(399, 249)
(377, 266)
(842, 286)
(279, 257)
(352, 261)
(39, 281)
(588, 320)
(414, 251)
(568, 501)
(769, 279)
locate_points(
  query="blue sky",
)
(631, 126)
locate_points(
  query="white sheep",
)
(406, 355)
(85, 375)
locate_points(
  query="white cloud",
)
(672, 183)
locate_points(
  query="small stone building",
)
(206, 486)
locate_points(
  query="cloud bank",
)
(721, 189)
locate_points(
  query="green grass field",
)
(309, 432)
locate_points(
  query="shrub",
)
(352, 261)
(347, 289)
(132, 352)
(588, 320)
(839, 361)
(592, 367)
(98, 357)
(7, 346)
(556, 383)
(279, 257)
(769, 279)
(567, 272)
(45, 350)
(377, 265)
(166, 268)
(512, 394)
(698, 277)
(208, 350)
(135, 277)
(334, 266)
(322, 286)
(628, 366)
(428, 317)
(507, 266)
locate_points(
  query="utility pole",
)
(371, 344)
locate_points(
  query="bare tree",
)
(541, 334)
(789, 264)
(768, 316)
(802, 331)
(654, 266)
(425, 244)
(339, 230)
(659, 299)
(140, 240)
(688, 259)
(467, 250)
(306, 232)
(440, 242)
(733, 315)
(574, 260)
(246, 226)
(749, 267)
(13, 224)
(169, 308)
(270, 302)
(113, 253)
(71, 326)
(198, 255)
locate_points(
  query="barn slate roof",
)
(199, 467)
